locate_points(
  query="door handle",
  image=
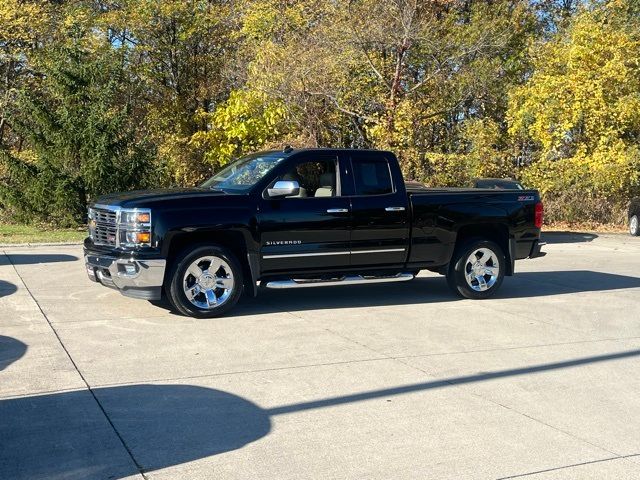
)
(337, 210)
(394, 209)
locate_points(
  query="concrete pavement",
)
(381, 381)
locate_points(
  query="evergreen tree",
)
(82, 141)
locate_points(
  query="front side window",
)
(315, 178)
(243, 174)
(372, 177)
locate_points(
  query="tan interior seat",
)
(327, 185)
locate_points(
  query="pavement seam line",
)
(570, 466)
(521, 347)
(243, 372)
(512, 409)
(536, 320)
(344, 337)
(362, 360)
(84, 380)
(471, 393)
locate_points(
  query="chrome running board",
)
(347, 280)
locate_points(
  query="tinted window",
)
(372, 177)
(316, 178)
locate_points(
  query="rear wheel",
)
(634, 225)
(206, 282)
(477, 269)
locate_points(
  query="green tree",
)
(181, 52)
(81, 141)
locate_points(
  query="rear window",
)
(372, 177)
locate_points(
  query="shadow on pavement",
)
(65, 435)
(568, 237)
(35, 258)
(7, 288)
(10, 351)
(425, 290)
(538, 284)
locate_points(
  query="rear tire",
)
(205, 282)
(476, 269)
(634, 225)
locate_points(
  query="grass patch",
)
(15, 234)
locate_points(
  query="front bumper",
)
(134, 278)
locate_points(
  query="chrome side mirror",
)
(284, 188)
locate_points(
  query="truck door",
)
(379, 207)
(311, 229)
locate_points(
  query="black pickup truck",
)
(306, 218)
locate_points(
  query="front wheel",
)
(634, 225)
(477, 269)
(206, 282)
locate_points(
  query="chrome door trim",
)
(395, 209)
(319, 254)
(386, 250)
(294, 255)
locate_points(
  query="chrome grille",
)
(105, 229)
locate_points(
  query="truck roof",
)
(288, 151)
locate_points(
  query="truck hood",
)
(141, 198)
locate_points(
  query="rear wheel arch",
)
(477, 268)
(495, 232)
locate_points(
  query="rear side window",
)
(372, 177)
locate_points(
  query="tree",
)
(403, 75)
(180, 52)
(577, 120)
(80, 136)
(22, 25)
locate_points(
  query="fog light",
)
(130, 269)
(136, 238)
(144, 237)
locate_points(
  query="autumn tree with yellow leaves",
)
(104, 95)
(576, 121)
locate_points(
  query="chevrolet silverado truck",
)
(306, 218)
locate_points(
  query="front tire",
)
(477, 269)
(205, 282)
(634, 225)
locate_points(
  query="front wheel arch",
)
(233, 240)
(177, 274)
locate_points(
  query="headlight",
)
(134, 227)
(91, 223)
(134, 217)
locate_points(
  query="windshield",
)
(244, 173)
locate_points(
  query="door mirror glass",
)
(284, 188)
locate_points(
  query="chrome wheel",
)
(482, 269)
(633, 225)
(208, 282)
